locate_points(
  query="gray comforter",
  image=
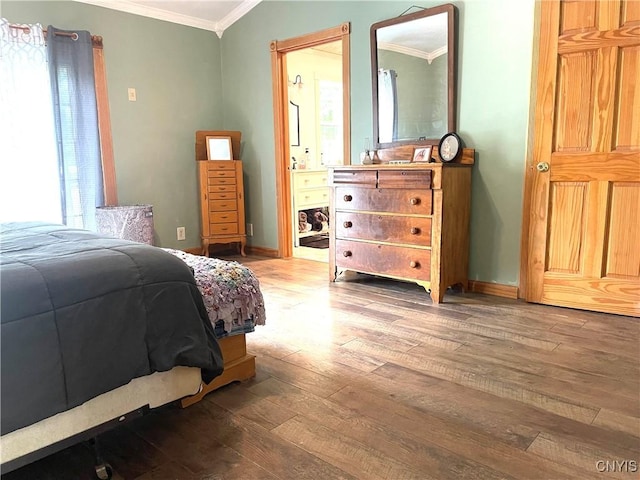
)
(82, 314)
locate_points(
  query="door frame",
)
(533, 152)
(279, 49)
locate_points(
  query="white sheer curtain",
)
(387, 106)
(29, 177)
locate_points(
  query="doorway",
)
(307, 99)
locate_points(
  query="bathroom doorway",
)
(311, 113)
(314, 79)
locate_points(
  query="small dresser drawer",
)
(222, 196)
(302, 179)
(223, 217)
(405, 178)
(221, 180)
(222, 173)
(223, 228)
(222, 205)
(311, 197)
(415, 202)
(221, 189)
(383, 228)
(402, 262)
(216, 166)
(354, 177)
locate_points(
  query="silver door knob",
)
(542, 167)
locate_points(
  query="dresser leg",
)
(242, 244)
(205, 247)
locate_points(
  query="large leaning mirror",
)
(413, 72)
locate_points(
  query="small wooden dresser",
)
(409, 222)
(221, 189)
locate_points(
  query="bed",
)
(96, 330)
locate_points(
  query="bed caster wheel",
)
(104, 471)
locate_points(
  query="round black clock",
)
(450, 147)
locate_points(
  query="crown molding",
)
(414, 52)
(160, 14)
(235, 15)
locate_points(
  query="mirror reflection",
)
(412, 58)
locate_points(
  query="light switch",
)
(132, 94)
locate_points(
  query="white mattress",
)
(154, 390)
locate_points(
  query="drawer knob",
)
(347, 224)
(348, 198)
(347, 253)
(414, 201)
(414, 264)
(415, 230)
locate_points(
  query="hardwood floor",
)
(366, 378)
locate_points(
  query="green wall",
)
(187, 79)
(494, 70)
(176, 73)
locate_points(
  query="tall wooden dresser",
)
(409, 222)
(221, 190)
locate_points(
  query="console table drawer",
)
(383, 228)
(309, 179)
(402, 262)
(413, 202)
(312, 197)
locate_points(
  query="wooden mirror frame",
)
(451, 11)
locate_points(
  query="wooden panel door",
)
(583, 246)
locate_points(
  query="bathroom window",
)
(330, 122)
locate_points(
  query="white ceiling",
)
(213, 15)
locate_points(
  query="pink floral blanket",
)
(231, 293)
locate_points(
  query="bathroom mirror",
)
(413, 68)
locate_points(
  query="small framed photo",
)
(422, 154)
(219, 147)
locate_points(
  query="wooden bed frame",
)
(238, 366)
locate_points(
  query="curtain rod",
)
(96, 40)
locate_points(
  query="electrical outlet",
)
(181, 233)
(249, 229)
(132, 94)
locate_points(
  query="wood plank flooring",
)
(366, 378)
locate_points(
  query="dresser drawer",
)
(222, 196)
(312, 197)
(354, 177)
(221, 189)
(222, 205)
(216, 166)
(223, 228)
(406, 178)
(221, 181)
(403, 262)
(302, 179)
(416, 202)
(223, 217)
(383, 228)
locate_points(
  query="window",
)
(50, 168)
(330, 122)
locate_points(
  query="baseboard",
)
(261, 251)
(497, 289)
